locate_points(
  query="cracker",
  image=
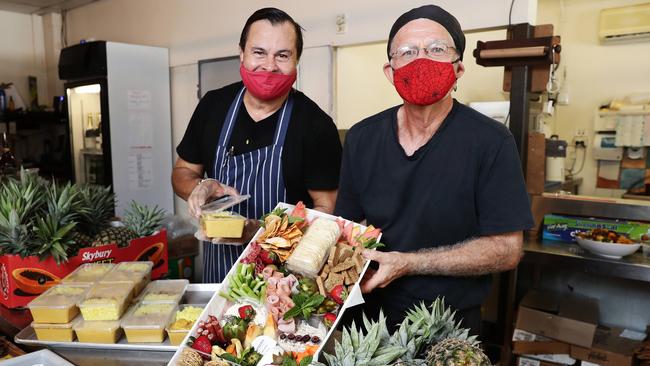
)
(343, 266)
(347, 253)
(332, 257)
(354, 275)
(359, 262)
(321, 286)
(333, 280)
(347, 279)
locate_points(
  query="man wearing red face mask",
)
(258, 137)
(442, 181)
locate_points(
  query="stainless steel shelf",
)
(565, 255)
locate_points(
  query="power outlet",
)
(341, 24)
(580, 134)
(580, 137)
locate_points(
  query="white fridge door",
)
(140, 125)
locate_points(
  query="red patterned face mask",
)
(266, 85)
(424, 81)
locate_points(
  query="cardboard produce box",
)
(528, 343)
(562, 317)
(23, 279)
(608, 349)
(527, 361)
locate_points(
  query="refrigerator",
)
(118, 101)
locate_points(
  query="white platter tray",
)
(217, 304)
(42, 357)
(27, 336)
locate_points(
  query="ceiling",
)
(41, 6)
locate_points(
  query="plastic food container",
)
(88, 273)
(223, 225)
(145, 322)
(216, 222)
(182, 321)
(54, 332)
(164, 291)
(58, 305)
(98, 331)
(138, 273)
(106, 301)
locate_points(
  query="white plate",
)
(608, 250)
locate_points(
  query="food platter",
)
(311, 259)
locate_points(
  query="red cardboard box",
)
(609, 349)
(23, 279)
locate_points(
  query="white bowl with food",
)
(608, 250)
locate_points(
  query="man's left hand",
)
(392, 265)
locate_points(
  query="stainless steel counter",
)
(564, 255)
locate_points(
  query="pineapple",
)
(407, 346)
(143, 220)
(370, 349)
(435, 325)
(456, 352)
(121, 236)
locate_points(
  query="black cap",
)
(438, 15)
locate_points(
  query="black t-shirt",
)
(465, 182)
(311, 154)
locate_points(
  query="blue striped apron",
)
(258, 173)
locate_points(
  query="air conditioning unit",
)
(627, 23)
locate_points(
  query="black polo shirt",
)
(464, 183)
(311, 154)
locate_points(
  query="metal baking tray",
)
(195, 293)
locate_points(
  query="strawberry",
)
(247, 312)
(268, 257)
(339, 294)
(329, 319)
(203, 344)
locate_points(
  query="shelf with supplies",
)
(91, 151)
(605, 120)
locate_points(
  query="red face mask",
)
(424, 81)
(266, 85)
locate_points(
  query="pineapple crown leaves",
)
(357, 348)
(421, 328)
(63, 204)
(437, 324)
(99, 208)
(55, 238)
(15, 238)
(143, 220)
(23, 197)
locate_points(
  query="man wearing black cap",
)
(442, 181)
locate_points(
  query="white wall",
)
(596, 73)
(22, 53)
(202, 29)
